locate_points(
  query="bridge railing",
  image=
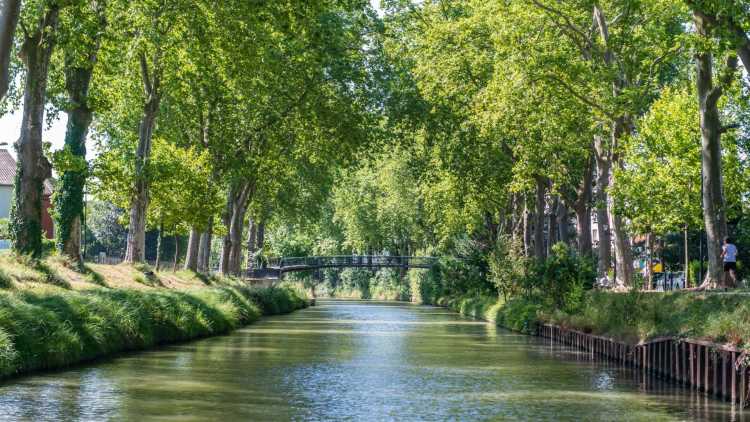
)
(352, 261)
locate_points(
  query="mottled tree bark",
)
(730, 27)
(33, 167)
(563, 223)
(191, 256)
(136, 242)
(251, 243)
(541, 188)
(527, 218)
(9, 12)
(620, 238)
(159, 246)
(602, 219)
(260, 239)
(582, 209)
(620, 124)
(517, 218)
(204, 248)
(237, 201)
(714, 207)
(69, 196)
(176, 252)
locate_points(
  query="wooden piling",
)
(700, 365)
(733, 377)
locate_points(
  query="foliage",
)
(80, 326)
(4, 228)
(104, 229)
(508, 268)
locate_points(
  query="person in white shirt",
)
(729, 255)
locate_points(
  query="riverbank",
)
(635, 317)
(52, 316)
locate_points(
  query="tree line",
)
(513, 123)
(446, 127)
(203, 114)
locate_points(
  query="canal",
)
(360, 361)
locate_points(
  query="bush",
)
(508, 268)
(4, 228)
(425, 286)
(519, 314)
(564, 277)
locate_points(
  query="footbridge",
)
(279, 266)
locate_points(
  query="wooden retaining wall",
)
(713, 368)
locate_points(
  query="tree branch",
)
(727, 128)
(9, 13)
(144, 74)
(581, 97)
(575, 33)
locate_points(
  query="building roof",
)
(7, 168)
(8, 172)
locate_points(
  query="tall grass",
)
(631, 317)
(51, 328)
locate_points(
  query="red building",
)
(7, 178)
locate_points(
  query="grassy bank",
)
(52, 316)
(719, 317)
(560, 291)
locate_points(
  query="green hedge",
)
(45, 329)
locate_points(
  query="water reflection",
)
(350, 360)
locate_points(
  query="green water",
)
(359, 361)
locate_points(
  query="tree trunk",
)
(541, 187)
(237, 200)
(526, 230)
(176, 252)
(33, 168)
(204, 248)
(621, 241)
(714, 209)
(582, 209)
(159, 246)
(602, 219)
(260, 240)
(69, 201)
(517, 218)
(226, 242)
(191, 257)
(252, 228)
(687, 256)
(136, 243)
(552, 227)
(563, 223)
(9, 12)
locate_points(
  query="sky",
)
(10, 128)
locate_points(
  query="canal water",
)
(356, 361)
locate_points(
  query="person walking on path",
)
(729, 255)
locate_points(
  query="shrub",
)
(520, 314)
(4, 228)
(565, 277)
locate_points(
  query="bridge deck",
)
(308, 263)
